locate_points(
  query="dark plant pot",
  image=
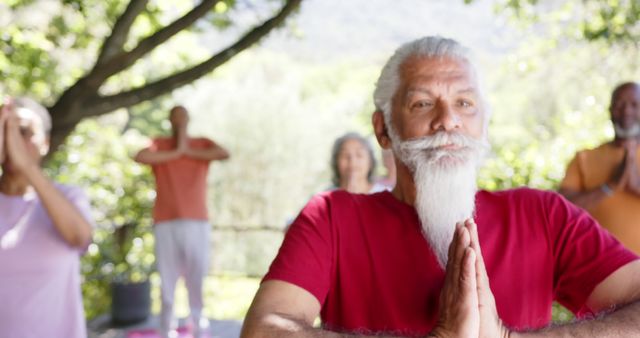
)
(130, 302)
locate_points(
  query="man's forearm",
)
(312, 333)
(211, 154)
(155, 157)
(620, 323)
(283, 327)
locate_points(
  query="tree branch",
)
(113, 43)
(101, 105)
(125, 59)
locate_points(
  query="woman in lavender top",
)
(44, 228)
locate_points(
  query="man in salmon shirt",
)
(413, 263)
(180, 165)
(605, 181)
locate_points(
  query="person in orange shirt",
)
(180, 165)
(605, 181)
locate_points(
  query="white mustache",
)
(440, 139)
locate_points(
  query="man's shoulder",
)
(333, 196)
(601, 149)
(342, 195)
(521, 196)
(161, 141)
(345, 200)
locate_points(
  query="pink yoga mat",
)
(183, 332)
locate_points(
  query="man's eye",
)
(422, 104)
(465, 103)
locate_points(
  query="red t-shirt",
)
(181, 184)
(365, 259)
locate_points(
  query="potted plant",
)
(132, 265)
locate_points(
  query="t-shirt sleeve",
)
(153, 145)
(585, 254)
(573, 178)
(305, 257)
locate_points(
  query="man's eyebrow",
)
(412, 91)
(467, 90)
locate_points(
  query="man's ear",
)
(380, 129)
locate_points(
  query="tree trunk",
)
(82, 100)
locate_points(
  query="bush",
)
(96, 158)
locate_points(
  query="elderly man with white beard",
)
(605, 180)
(413, 262)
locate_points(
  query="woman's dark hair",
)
(335, 152)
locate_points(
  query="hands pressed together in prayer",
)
(4, 114)
(467, 306)
(12, 144)
(627, 177)
(182, 145)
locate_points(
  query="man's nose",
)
(446, 119)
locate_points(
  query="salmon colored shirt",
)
(618, 213)
(181, 184)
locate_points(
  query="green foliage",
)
(97, 157)
(611, 21)
(279, 127)
(45, 46)
(560, 314)
(550, 100)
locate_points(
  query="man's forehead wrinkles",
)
(459, 87)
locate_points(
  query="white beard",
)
(630, 132)
(445, 182)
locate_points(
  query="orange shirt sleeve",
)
(207, 143)
(573, 179)
(153, 145)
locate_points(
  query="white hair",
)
(428, 47)
(36, 108)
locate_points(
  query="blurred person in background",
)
(180, 166)
(44, 228)
(605, 181)
(389, 163)
(353, 165)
